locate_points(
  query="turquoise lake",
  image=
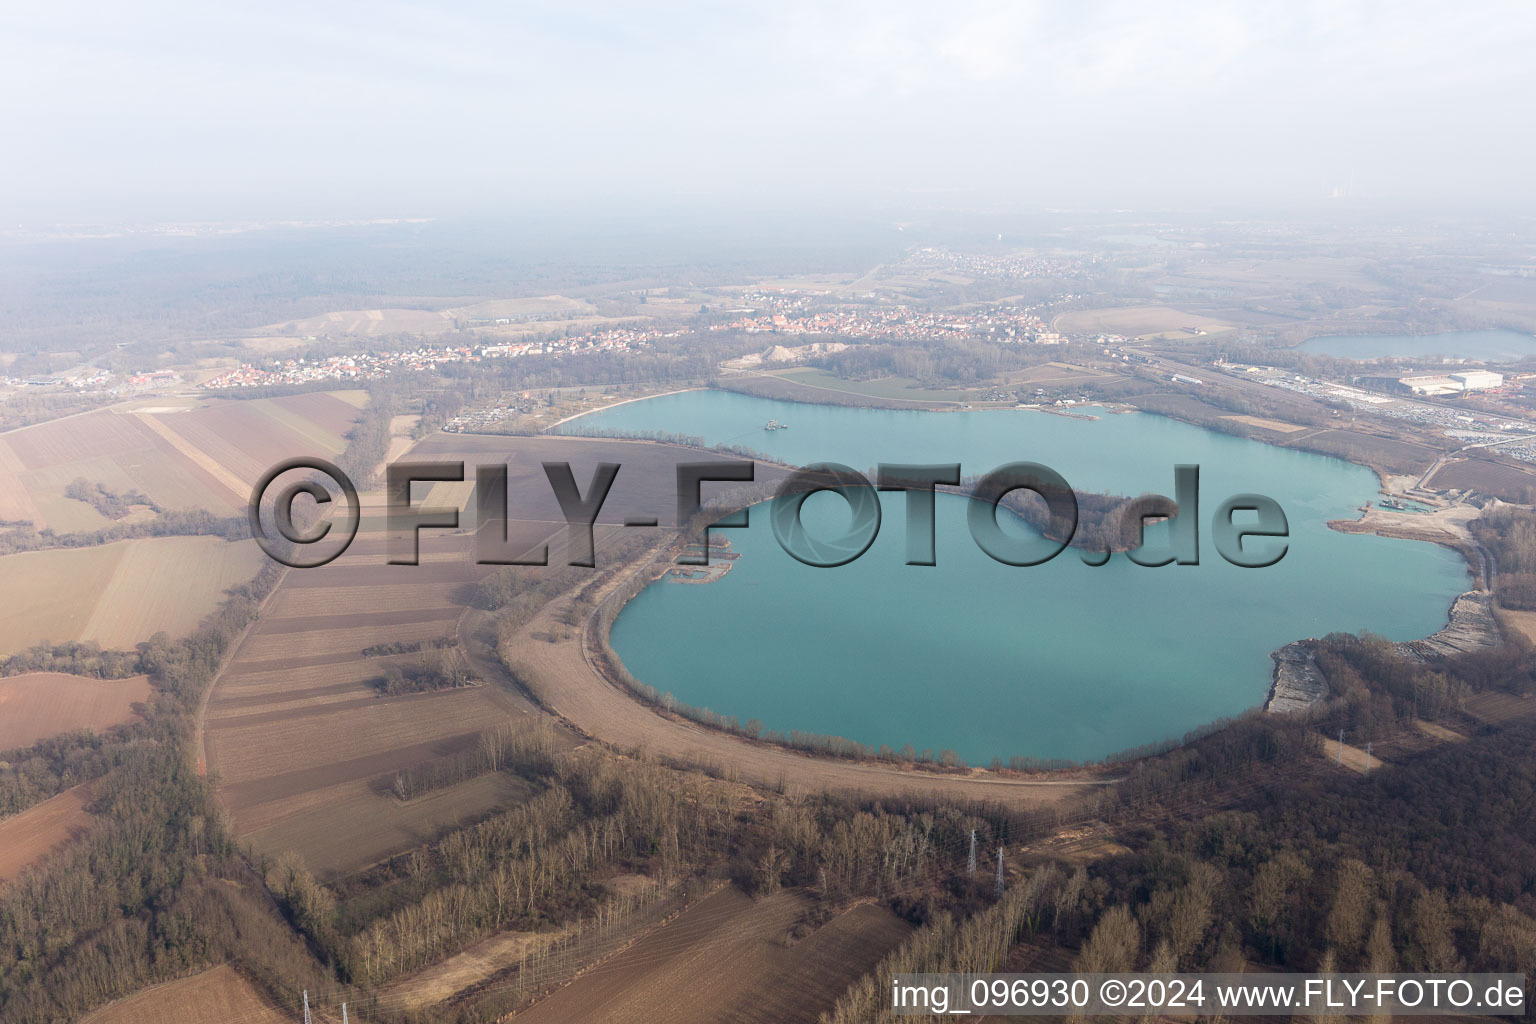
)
(1495, 346)
(1060, 660)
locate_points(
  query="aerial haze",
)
(177, 111)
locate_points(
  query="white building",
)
(1429, 384)
(1450, 384)
(1471, 380)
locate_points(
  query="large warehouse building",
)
(1450, 384)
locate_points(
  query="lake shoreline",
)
(1297, 683)
(1294, 683)
(615, 405)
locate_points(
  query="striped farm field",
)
(118, 594)
(116, 450)
(182, 453)
(301, 741)
(295, 731)
(36, 705)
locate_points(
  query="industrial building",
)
(1452, 383)
(1473, 380)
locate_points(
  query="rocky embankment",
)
(1298, 682)
(1472, 627)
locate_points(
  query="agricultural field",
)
(1054, 374)
(1504, 480)
(182, 453)
(1492, 707)
(834, 283)
(304, 746)
(1522, 622)
(1137, 322)
(400, 428)
(893, 388)
(482, 961)
(736, 959)
(344, 832)
(811, 384)
(363, 323)
(296, 733)
(36, 705)
(217, 996)
(28, 837)
(1276, 426)
(1386, 453)
(108, 447)
(532, 307)
(237, 440)
(118, 594)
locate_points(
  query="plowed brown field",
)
(28, 837)
(219, 996)
(37, 705)
(729, 957)
(300, 740)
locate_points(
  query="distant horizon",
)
(160, 112)
(618, 214)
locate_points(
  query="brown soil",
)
(28, 837)
(213, 996)
(36, 705)
(729, 957)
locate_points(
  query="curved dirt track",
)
(573, 688)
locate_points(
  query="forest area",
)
(1508, 533)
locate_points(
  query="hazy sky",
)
(214, 110)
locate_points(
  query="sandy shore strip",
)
(615, 405)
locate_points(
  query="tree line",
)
(76, 657)
(184, 522)
(1508, 533)
(436, 668)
